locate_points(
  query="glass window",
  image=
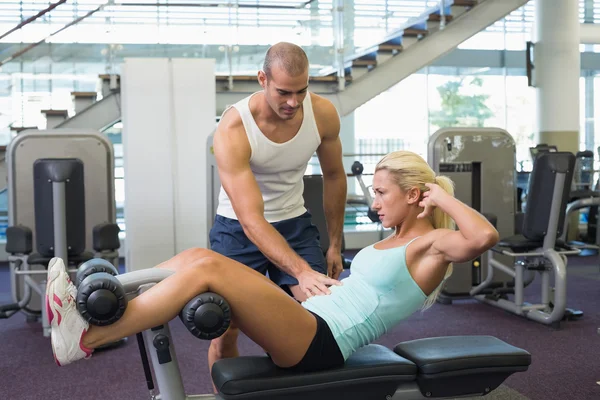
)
(468, 100)
(520, 118)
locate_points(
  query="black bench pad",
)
(373, 371)
(462, 365)
(520, 244)
(74, 260)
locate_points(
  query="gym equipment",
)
(357, 171)
(418, 369)
(583, 196)
(313, 201)
(61, 203)
(536, 248)
(481, 163)
(541, 148)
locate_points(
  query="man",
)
(262, 147)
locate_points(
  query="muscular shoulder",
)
(423, 246)
(230, 132)
(231, 122)
(326, 116)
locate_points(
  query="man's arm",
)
(334, 177)
(232, 153)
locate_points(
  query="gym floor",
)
(565, 362)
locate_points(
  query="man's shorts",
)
(228, 238)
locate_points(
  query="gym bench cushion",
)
(373, 371)
(445, 366)
(448, 366)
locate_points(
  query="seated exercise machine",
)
(440, 367)
(481, 164)
(61, 203)
(583, 196)
(536, 248)
(313, 202)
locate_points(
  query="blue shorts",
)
(228, 238)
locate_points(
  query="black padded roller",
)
(206, 316)
(101, 299)
(93, 266)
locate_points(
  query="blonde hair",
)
(410, 170)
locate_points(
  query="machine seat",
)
(37, 258)
(463, 365)
(373, 371)
(520, 244)
(582, 194)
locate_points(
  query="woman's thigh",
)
(263, 311)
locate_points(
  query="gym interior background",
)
(398, 71)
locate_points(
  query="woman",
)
(389, 280)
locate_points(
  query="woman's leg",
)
(184, 259)
(264, 312)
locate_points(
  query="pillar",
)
(347, 122)
(588, 18)
(168, 109)
(557, 70)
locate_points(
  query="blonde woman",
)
(388, 281)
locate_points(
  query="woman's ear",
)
(413, 195)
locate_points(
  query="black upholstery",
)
(19, 240)
(39, 259)
(313, 201)
(442, 367)
(541, 189)
(461, 354)
(46, 171)
(520, 244)
(106, 237)
(532, 226)
(462, 365)
(373, 372)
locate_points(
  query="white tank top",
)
(278, 168)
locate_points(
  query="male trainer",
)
(262, 147)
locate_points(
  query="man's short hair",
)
(288, 56)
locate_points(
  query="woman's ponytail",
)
(441, 220)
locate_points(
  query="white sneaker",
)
(67, 325)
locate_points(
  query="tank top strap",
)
(243, 108)
(310, 121)
(411, 240)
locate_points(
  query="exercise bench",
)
(438, 367)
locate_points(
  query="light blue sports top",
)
(379, 293)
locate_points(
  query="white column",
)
(169, 109)
(347, 137)
(557, 70)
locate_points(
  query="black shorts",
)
(323, 352)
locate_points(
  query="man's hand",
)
(335, 266)
(313, 283)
